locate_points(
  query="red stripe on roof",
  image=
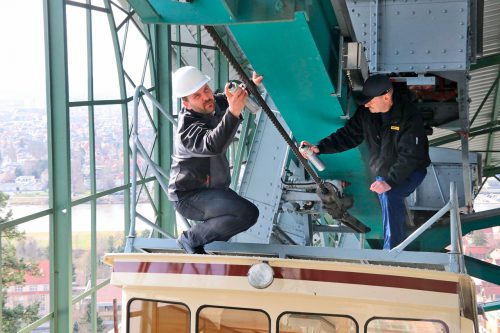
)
(305, 274)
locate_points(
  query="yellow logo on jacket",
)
(395, 128)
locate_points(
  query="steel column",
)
(93, 186)
(59, 165)
(162, 51)
(123, 96)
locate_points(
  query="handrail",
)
(137, 148)
(456, 260)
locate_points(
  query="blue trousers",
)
(394, 210)
(223, 212)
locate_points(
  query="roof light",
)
(260, 275)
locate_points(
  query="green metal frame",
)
(494, 117)
(162, 45)
(160, 61)
(60, 200)
(487, 61)
(59, 164)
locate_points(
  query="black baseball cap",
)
(375, 85)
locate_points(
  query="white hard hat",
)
(187, 80)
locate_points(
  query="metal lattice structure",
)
(141, 54)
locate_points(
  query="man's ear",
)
(388, 97)
(186, 104)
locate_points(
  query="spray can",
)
(250, 103)
(312, 157)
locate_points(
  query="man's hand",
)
(236, 101)
(256, 78)
(307, 144)
(380, 186)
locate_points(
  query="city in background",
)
(24, 175)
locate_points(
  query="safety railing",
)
(456, 259)
(138, 149)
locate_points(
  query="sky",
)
(22, 57)
(22, 60)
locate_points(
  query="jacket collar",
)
(396, 109)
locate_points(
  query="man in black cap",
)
(398, 146)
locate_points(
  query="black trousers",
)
(223, 214)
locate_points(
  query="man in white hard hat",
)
(200, 175)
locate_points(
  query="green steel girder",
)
(59, 166)
(494, 117)
(482, 270)
(491, 171)
(211, 12)
(123, 103)
(491, 306)
(487, 61)
(93, 179)
(163, 151)
(295, 45)
(438, 237)
(299, 61)
(491, 127)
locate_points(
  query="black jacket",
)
(396, 148)
(200, 143)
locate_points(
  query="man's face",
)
(380, 104)
(201, 101)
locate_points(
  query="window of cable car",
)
(149, 316)
(228, 320)
(391, 325)
(291, 322)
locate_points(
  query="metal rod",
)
(485, 99)
(133, 200)
(421, 229)
(137, 147)
(143, 90)
(438, 184)
(154, 167)
(153, 225)
(181, 218)
(454, 259)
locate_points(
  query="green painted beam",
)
(438, 237)
(487, 61)
(212, 12)
(491, 306)
(93, 180)
(162, 75)
(124, 108)
(145, 11)
(482, 270)
(297, 60)
(59, 165)
(479, 130)
(490, 171)
(494, 116)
